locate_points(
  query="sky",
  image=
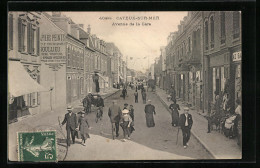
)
(142, 42)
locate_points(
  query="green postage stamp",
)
(37, 146)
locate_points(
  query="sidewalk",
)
(219, 146)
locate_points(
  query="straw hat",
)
(81, 112)
(186, 108)
(69, 107)
(125, 111)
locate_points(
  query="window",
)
(222, 28)
(189, 43)
(211, 32)
(10, 31)
(206, 35)
(236, 24)
(22, 35)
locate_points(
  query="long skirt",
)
(149, 120)
(175, 118)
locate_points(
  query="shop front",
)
(23, 91)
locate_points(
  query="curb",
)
(202, 143)
(105, 97)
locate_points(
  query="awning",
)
(20, 82)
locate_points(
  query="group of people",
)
(143, 93)
(124, 118)
(74, 124)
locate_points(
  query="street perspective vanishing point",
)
(90, 86)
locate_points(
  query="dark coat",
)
(100, 102)
(114, 112)
(71, 121)
(183, 119)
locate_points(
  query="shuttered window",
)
(222, 27)
(10, 31)
(20, 45)
(38, 40)
(29, 38)
(236, 24)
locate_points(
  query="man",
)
(149, 111)
(100, 104)
(136, 96)
(125, 106)
(185, 123)
(124, 92)
(131, 113)
(71, 124)
(114, 113)
(144, 96)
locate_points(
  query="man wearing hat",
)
(71, 124)
(114, 113)
(185, 123)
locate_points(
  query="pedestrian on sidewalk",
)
(71, 124)
(125, 123)
(175, 113)
(136, 96)
(83, 127)
(149, 112)
(186, 123)
(114, 113)
(131, 113)
(144, 96)
(238, 111)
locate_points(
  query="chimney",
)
(56, 14)
(89, 29)
(81, 25)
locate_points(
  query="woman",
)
(149, 112)
(175, 113)
(83, 127)
(125, 123)
(238, 111)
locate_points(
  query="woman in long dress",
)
(175, 112)
(149, 111)
(83, 127)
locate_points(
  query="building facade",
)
(24, 64)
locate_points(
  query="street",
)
(146, 143)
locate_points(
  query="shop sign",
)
(237, 56)
(53, 50)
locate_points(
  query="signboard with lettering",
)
(53, 50)
(237, 56)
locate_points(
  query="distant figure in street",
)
(173, 93)
(136, 96)
(85, 103)
(125, 123)
(125, 106)
(185, 123)
(71, 124)
(149, 111)
(117, 85)
(83, 127)
(114, 113)
(175, 113)
(144, 96)
(131, 113)
(124, 92)
(100, 104)
(89, 102)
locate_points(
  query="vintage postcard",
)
(146, 85)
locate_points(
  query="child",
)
(131, 113)
(83, 127)
(125, 123)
